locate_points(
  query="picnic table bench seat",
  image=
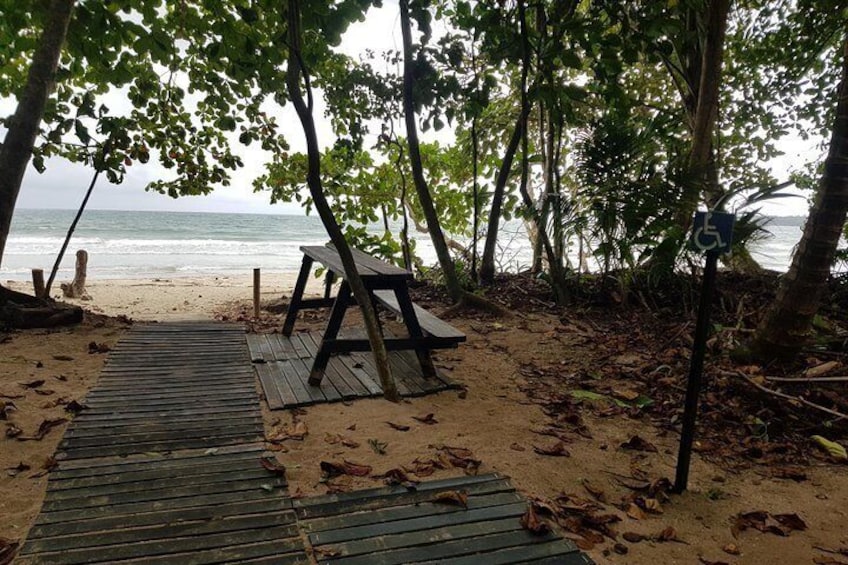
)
(446, 334)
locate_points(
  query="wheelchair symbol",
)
(713, 232)
(707, 236)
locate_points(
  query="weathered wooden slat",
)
(445, 550)
(394, 513)
(138, 520)
(132, 508)
(282, 552)
(164, 531)
(119, 450)
(417, 524)
(97, 429)
(165, 481)
(142, 436)
(152, 548)
(424, 537)
(188, 473)
(379, 501)
(83, 499)
(149, 460)
(297, 373)
(558, 551)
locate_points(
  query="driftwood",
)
(76, 288)
(38, 283)
(19, 310)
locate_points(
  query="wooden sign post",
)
(712, 234)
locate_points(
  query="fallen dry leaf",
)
(666, 534)
(333, 469)
(822, 369)
(620, 549)
(63, 358)
(558, 449)
(637, 443)
(778, 524)
(454, 497)
(517, 447)
(75, 407)
(94, 347)
(398, 476)
(594, 490)
(708, 562)
(429, 419)
(378, 446)
(18, 469)
(632, 537)
(44, 428)
(33, 384)
(531, 522)
(13, 431)
(273, 466)
(399, 427)
(8, 549)
(328, 552)
(459, 457)
(635, 512)
(44, 391)
(828, 560)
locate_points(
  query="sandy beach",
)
(43, 371)
(188, 298)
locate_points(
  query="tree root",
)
(22, 311)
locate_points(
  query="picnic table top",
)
(366, 265)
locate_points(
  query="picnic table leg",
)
(414, 328)
(322, 357)
(297, 295)
(328, 284)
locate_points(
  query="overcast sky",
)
(63, 184)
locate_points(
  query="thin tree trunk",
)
(706, 112)
(430, 216)
(304, 112)
(487, 261)
(103, 154)
(16, 149)
(786, 325)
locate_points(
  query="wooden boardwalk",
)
(394, 525)
(283, 363)
(164, 465)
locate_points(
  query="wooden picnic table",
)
(387, 285)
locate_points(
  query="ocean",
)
(144, 245)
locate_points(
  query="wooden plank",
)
(137, 520)
(271, 387)
(298, 372)
(289, 553)
(132, 508)
(150, 474)
(164, 531)
(282, 345)
(424, 537)
(142, 436)
(447, 550)
(300, 348)
(163, 424)
(558, 551)
(121, 450)
(163, 481)
(330, 259)
(379, 501)
(419, 523)
(366, 360)
(428, 322)
(298, 383)
(403, 512)
(169, 547)
(378, 266)
(196, 492)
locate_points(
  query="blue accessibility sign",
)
(712, 232)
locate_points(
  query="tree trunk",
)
(786, 325)
(430, 216)
(304, 113)
(16, 150)
(487, 261)
(76, 288)
(706, 112)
